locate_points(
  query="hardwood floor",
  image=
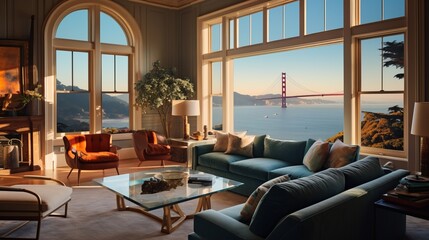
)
(417, 229)
(86, 177)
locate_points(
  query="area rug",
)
(93, 215)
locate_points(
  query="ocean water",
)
(297, 122)
(116, 123)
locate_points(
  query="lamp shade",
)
(185, 108)
(420, 125)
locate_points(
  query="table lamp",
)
(420, 127)
(185, 108)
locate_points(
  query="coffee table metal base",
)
(169, 222)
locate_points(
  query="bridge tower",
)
(284, 90)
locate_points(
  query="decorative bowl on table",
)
(173, 178)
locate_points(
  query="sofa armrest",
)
(199, 150)
(214, 225)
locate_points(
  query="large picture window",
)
(306, 40)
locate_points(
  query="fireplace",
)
(20, 137)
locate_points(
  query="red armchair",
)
(150, 145)
(90, 152)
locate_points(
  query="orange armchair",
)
(150, 145)
(90, 152)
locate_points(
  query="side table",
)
(422, 213)
(386, 211)
(180, 143)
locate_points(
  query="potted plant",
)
(158, 88)
(17, 102)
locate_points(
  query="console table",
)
(26, 126)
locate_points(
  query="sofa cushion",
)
(254, 198)
(362, 171)
(285, 198)
(52, 196)
(316, 155)
(341, 154)
(289, 151)
(240, 145)
(258, 146)
(256, 167)
(218, 160)
(296, 171)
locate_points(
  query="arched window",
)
(76, 87)
(90, 66)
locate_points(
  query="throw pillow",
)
(288, 151)
(254, 198)
(341, 154)
(316, 155)
(222, 140)
(240, 145)
(285, 198)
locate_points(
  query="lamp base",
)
(186, 128)
(424, 156)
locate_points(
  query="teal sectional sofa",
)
(337, 203)
(271, 158)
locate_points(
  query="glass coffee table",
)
(129, 187)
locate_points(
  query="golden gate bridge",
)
(283, 97)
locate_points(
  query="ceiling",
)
(177, 4)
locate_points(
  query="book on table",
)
(202, 178)
(411, 191)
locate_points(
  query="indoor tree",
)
(158, 88)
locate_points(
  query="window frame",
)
(52, 140)
(348, 35)
(360, 92)
(95, 49)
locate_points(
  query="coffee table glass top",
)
(129, 186)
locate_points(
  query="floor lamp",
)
(185, 108)
(420, 127)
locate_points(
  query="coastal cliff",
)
(380, 130)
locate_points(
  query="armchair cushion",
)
(157, 149)
(98, 157)
(97, 142)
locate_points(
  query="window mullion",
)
(382, 66)
(72, 69)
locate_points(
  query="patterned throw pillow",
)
(254, 199)
(240, 145)
(316, 155)
(340, 154)
(222, 141)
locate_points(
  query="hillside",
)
(248, 100)
(380, 130)
(72, 108)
